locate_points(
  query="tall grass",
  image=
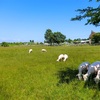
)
(37, 76)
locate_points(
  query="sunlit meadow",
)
(38, 76)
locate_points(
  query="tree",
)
(56, 37)
(4, 44)
(32, 41)
(49, 36)
(96, 38)
(92, 15)
(69, 40)
(59, 37)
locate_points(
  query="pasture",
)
(38, 76)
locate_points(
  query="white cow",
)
(93, 68)
(83, 68)
(63, 57)
(30, 50)
(44, 50)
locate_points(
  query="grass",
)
(37, 76)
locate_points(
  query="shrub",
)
(4, 44)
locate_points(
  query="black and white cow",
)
(83, 68)
(97, 78)
(93, 69)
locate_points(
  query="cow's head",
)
(79, 76)
(85, 77)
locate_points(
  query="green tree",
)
(49, 36)
(4, 44)
(59, 37)
(91, 14)
(32, 41)
(69, 40)
(56, 37)
(96, 38)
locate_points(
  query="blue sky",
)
(25, 20)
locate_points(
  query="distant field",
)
(37, 76)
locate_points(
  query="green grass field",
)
(37, 76)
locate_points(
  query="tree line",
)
(90, 13)
(56, 37)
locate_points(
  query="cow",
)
(30, 50)
(63, 57)
(93, 68)
(83, 68)
(44, 50)
(97, 78)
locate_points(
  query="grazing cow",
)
(44, 50)
(97, 78)
(63, 57)
(30, 50)
(60, 57)
(83, 68)
(92, 70)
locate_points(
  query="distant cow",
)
(44, 50)
(83, 68)
(30, 50)
(63, 57)
(93, 68)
